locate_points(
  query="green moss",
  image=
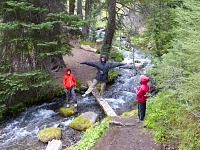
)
(80, 123)
(49, 134)
(66, 111)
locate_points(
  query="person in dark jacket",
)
(103, 66)
(69, 85)
(141, 96)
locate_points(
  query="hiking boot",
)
(138, 120)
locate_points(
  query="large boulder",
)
(84, 121)
(66, 111)
(48, 134)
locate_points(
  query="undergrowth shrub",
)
(171, 122)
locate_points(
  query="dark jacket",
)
(103, 68)
(142, 90)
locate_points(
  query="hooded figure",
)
(141, 96)
(69, 85)
(103, 66)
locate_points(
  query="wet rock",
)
(84, 121)
(54, 145)
(91, 116)
(66, 111)
(49, 134)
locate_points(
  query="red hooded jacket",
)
(142, 90)
(68, 79)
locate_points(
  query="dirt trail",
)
(126, 134)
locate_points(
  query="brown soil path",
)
(126, 134)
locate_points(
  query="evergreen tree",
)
(32, 40)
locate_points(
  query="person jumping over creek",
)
(141, 96)
(69, 85)
(103, 66)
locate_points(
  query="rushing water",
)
(21, 133)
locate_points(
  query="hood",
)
(103, 56)
(67, 69)
(144, 80)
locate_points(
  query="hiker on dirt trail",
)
(103, 67)
(69, 85)
(141, 96)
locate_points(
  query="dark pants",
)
(141, 110)
(70, 92)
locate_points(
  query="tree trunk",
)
(71, 7)
(86, 27)
(111, 26)
(79, 8)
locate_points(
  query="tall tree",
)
(71, 7)
(88, 9)
(31, 39)
(79, 8)
(111, 26)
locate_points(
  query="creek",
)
(21, 133)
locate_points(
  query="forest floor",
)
(128, 134)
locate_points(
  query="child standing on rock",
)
(141, 96)
(69, 85)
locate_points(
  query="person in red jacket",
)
(69, 85)
(141, 96)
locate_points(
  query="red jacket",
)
(68, 79)
(142, 90)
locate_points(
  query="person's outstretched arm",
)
(116, 64)
(93, 64)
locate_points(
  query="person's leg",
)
(92, 86)
(67, 91)
(143, 111)
(139, 110)
(103, 86)
(73, 95)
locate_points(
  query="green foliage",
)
(172, 123)
(112, 74)
(90, 137)
(15, 109)
(179, 69)
(32, 34)
(115, 55)
(160, 23)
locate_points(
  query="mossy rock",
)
(49, 134)
(66, 111)
(80, 123)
